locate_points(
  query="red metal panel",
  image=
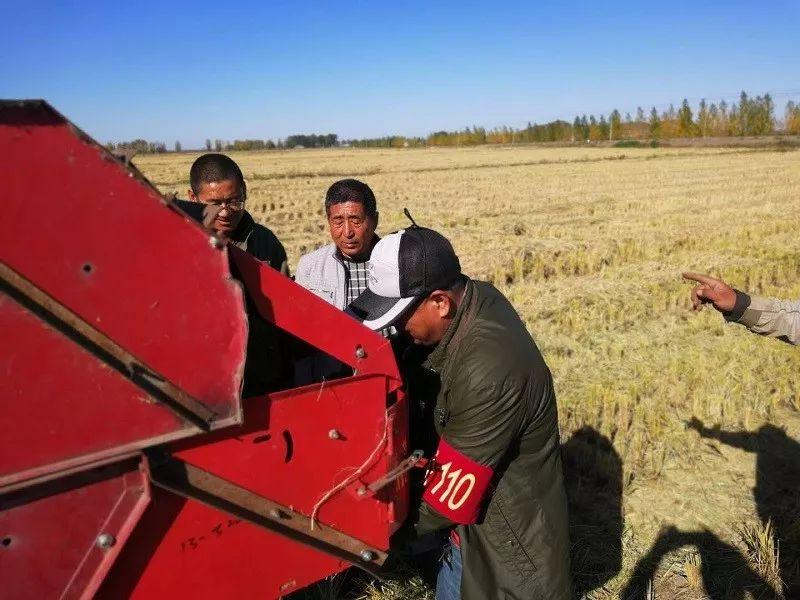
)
(100, 240)
(216, 557)
(49, 532)
(63, 402)
(305, 315)
(284, 451)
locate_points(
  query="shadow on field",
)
(725, 573)
(593, 471)
(777, 491)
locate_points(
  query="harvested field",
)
(589, 244)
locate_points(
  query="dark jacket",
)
(259, 241)
(495, 412)
(268, 365)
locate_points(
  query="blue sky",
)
(173, 71)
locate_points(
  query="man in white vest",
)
(337, 272)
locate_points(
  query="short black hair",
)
(214, 167)
(351, 190)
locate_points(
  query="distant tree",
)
(752, 116)
(713, 119)
(615, 125)
(742, 123)
(270, 145)
(312, 140)
(585, 128)
(208, 145)
(628, 118)
(768, 114)
(703, 118)
(594, 129)
(605, 129)
(110, 146)
(640, 115)
(792, 118)
(177, 146)
(655, 124)
(686, 127)
(669, 123)
(141, 146)
(724, 119)
(218, 145)
(761, 117)
(577, 130)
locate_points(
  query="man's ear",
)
(443, 302)
(192, 195)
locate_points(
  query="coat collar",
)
(243, 230)
(456, 331)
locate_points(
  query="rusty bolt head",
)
(360, 352)
(334, 434)
(104, 541)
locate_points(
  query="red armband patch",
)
(456, 485)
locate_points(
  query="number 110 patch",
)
(457, 486)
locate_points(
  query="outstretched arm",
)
(736, 439)
(773, 318)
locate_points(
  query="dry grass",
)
(589, 244)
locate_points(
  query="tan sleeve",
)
(773, 318)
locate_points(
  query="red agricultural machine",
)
(129, 465)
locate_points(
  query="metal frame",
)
(188, 481)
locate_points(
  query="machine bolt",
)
(360, 352)
(105, 541)
(367, 555)
(275, 514)
(334, 434)
(214, 241)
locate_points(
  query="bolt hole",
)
(6, 541)
(287, 437)
(87, 268)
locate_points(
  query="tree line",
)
(750, 116)
(140, 146)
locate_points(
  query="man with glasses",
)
(217, 182)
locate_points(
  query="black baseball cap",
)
(404, 266)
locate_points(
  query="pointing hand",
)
(711, 291)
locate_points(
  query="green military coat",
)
(499, 477)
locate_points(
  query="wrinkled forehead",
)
(347, 209)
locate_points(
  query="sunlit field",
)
(589, 244)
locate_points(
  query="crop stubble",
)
(589, 244)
